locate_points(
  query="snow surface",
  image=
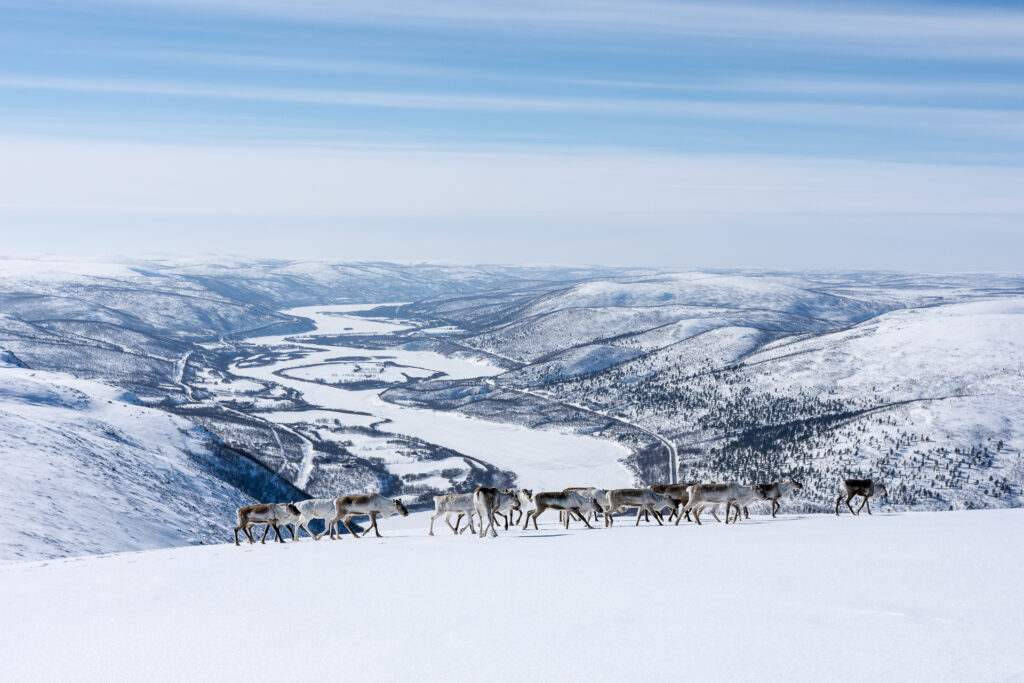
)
(902, 597)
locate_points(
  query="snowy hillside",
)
(307, 379)
(904, 597)
(86, 469)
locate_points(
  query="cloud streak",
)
(1001, 122)
(938, 32)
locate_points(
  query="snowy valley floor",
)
(919, 596)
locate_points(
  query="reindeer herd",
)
(486, 504)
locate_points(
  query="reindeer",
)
(520, 498)
(369, 504)
(315, 508)
(730, 494)
(272, 514)
(447, 505)
(641, 499)
(600, 497)
(859, 487)
(775, 491)
(679, 496)
(573, 501)
(486, 500)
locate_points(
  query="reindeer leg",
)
(266, 530)
(848, 499)
(867, 504)
(583, 518)
(838, 500)
(373, 522)
(657, 516)
(344, 520)
(714, 513)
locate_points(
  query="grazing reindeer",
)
(730, 494)
(775, 491)
(573, 501)
(641, 499)
(859, 487)
(272, 514)
(452, 503)
(369, 504)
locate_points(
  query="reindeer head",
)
(880, 489)
(796, 484)
(525, 496)
(399, 508)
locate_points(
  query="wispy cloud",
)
(939, 32)
(1003, 122)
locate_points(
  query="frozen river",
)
(544, 460)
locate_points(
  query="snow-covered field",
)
(901, 597)
(543, 459)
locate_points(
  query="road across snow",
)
(903, 597)
(545, 460)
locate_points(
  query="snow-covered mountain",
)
(87, 469)
(496, 374)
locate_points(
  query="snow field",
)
(907, 597)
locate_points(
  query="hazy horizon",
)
(661, 134)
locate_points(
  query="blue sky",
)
(650, 133)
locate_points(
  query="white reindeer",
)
(453, 503)
(370, 504)
(315, 508)
(708, 494)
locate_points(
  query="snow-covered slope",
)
(938, 351)
(906, 597)
(87, 470)
(789, 295)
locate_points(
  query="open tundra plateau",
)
(907, 596)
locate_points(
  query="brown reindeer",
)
(859, 487)
(272, 514)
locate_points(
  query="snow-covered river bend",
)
(544, 460)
